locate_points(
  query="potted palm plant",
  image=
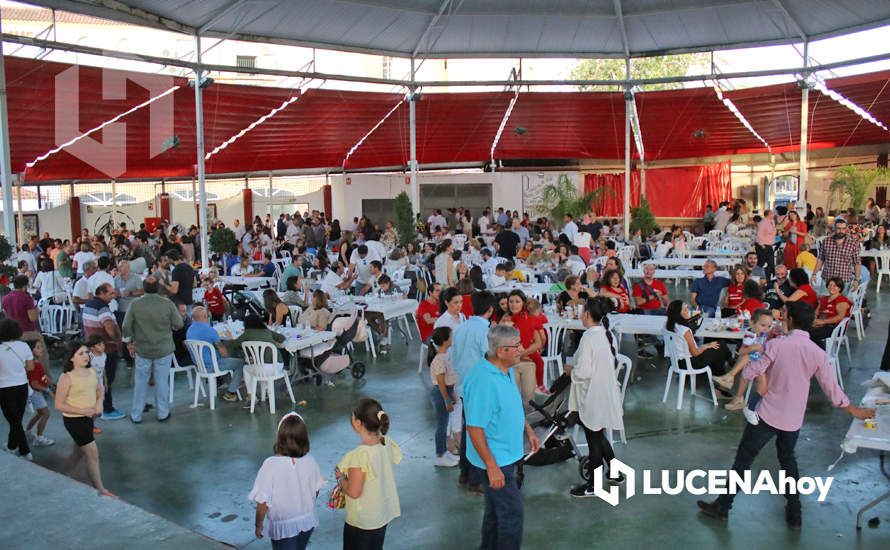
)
(563, 198)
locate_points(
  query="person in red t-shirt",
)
(612, 288)
(428, 311)
(537, 318)
(752, 296)
(213, 297)
(43, 388)
(525, 373)
(650, 294)
(734, 292)
(465, 287)
(832, 310)
(803, 291)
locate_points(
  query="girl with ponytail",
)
(442, 393)
(595, 393)
(366, 478)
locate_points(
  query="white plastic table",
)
(251, 283)
(711, 253)
(860, 437)
(537, 289)
(637, 273)
(692, 262)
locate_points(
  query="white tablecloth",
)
(691, 262)
(527, 288)
(712, 253)
(297, 338)
(637, 273)
(874, 253)
(858, 436)
(626, 323)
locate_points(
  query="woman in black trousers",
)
(15, 357)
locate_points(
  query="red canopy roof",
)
(319, 128)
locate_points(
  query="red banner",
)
(672, 192)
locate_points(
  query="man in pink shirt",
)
(766, 238)
(790, 362)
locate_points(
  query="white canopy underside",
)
(500, 28)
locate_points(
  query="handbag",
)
(337, 499)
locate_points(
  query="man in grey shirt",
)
(129, 287)
(148, 328)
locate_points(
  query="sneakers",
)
(712, 509)
(736, 404)
(582, 491)
(618, 480)
(725, 381)
(229, 396)
(29, 457)
(751, 416)
(42, 441)
(794, 520)
(113, 415)
(446, 460)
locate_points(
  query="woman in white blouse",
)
(595, 394)
(48, 281)
(452, 316)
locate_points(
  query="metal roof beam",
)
(220, 14)
(433, 21)
(173, 62)
(620, 14)
(797, 28)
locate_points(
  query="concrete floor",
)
(197, 469)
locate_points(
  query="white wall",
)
(55, 220)
(511, 190)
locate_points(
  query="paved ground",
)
(197, 469)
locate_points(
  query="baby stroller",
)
(553, 419)
(323, 361)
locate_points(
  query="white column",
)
(5, 169)
(199, 134)
(801, 202)
(113, 203)
(20, 235)
(269, 204)
(804, 118)
(628, 107)
(412, 137)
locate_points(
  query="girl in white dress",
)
(595, 393)
(286, 488)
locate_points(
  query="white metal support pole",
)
(195, 199)
(5, 174)
(628, 98)
(412, 136)
(804, 120)
(113, 203)
(20, 237)
(269, 203)
(199, 134)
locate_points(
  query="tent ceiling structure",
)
(500, 28)
(318, 130)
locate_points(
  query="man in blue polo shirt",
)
(200, 329)
(705, 292)
(495, 425)
(470, 344)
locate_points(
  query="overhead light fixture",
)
(205, 82)
(520, 130)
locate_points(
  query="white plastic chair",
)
(258, 370)
(833, 348)
(202, 372)
(622, 372)
(189, 372)
(671, 343)
(856, 311)
(553, 356)
(295, 312)
(883, 263)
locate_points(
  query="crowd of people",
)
(485, 340)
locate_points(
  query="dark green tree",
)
(405, 219)
(222, 241)
(641, 217)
